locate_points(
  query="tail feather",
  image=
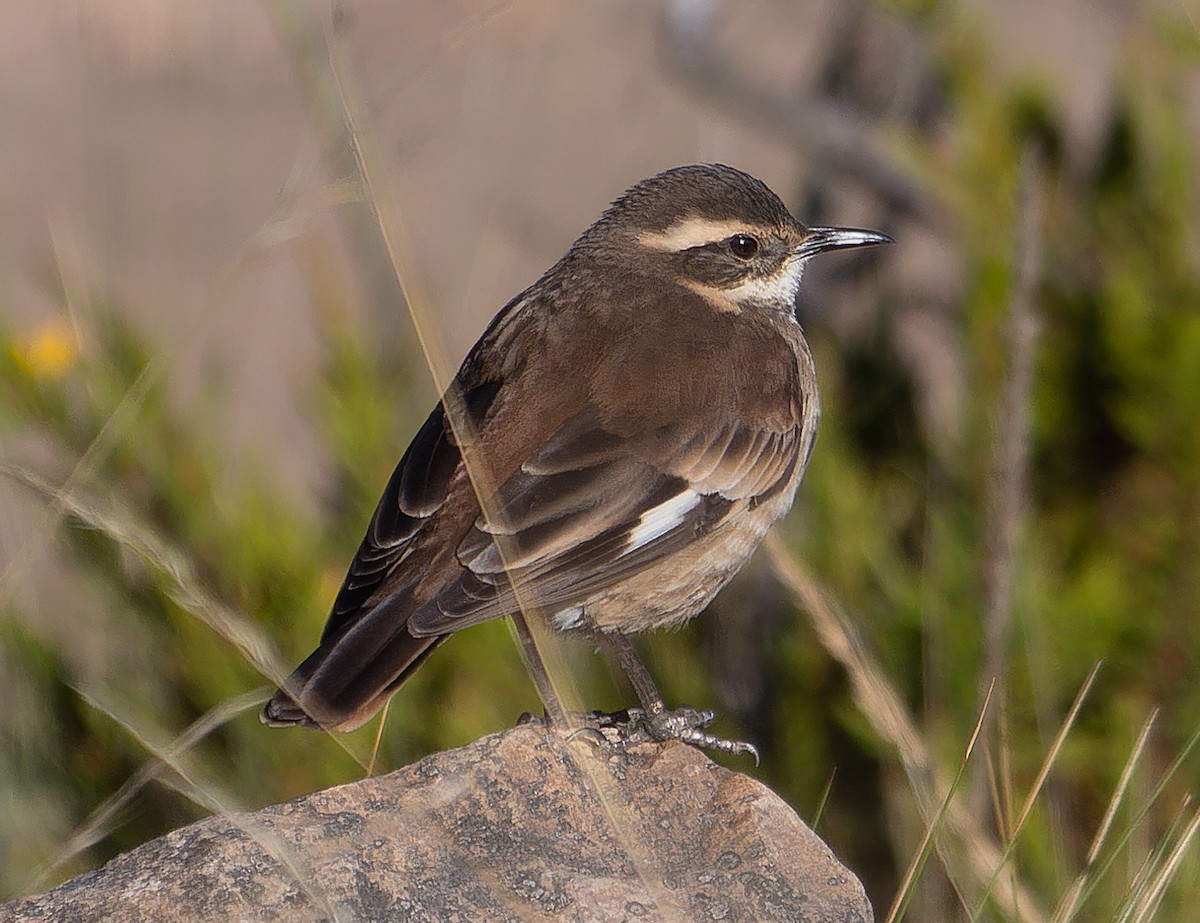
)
(282, 711)
(347, 680)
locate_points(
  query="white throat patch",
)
(780, 288)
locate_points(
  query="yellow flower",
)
(49, 350)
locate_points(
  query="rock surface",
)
(516, 826)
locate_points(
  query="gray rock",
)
(516, 826)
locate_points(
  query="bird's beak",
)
(821, 239)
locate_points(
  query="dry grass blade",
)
(142, 540)
(1036, 788)
(1052, 756)
(998, 791)
(103, 818)
(110, 433)
(1008, 495)
(383, 715)
(1125, 837)
(1142, 883)
(905, 892)
(186, 591)
(336, 107)
(977, 852)
(824, 799)
(210, 796)
(1008, 482)
(1073, 898)
(1152, 899)
(1136, 887)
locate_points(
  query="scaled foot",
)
(632, 726)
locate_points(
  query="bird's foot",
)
(632, 726)
(688, 725)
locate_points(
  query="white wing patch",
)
(566, 619)
(659, 520)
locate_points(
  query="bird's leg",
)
(635, 670)
(653, 721)
(535, 664)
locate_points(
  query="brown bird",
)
(640, 417)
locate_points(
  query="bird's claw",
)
(632, 726)
(688, 725)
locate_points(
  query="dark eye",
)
(743, 246)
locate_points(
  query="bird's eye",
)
(743, 246)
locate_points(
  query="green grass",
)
(198, 587)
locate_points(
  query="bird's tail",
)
(345, 681)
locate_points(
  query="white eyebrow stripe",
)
(659, 520)
(695, 232)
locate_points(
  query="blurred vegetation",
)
(198, 569)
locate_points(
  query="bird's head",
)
(718, 231)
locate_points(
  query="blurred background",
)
(207, 372)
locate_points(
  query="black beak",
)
(821, 239)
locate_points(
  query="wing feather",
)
(570, 523)
(416, 491)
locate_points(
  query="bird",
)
(635, 422)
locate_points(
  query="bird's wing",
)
(589, 509)
(365, 651)
(415, 493)
(581, 504)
